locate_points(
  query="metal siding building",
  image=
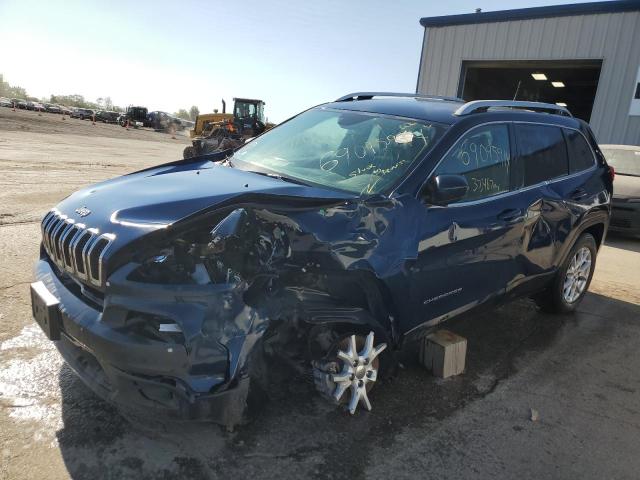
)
(606, 32)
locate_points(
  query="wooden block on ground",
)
(444, 353)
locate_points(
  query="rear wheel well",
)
(597, 231)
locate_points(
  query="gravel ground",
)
(579, 372)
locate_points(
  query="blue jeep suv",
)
(321, 246)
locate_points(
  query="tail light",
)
(612, 173)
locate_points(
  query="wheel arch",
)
(347, 298)
(594, 223)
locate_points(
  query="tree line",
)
(102, 103)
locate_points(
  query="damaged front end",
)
(190, 315)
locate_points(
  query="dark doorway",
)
(575, 82)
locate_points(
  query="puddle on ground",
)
(29, 384)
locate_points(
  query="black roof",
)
(411, 107)
(248, 100)
(531, 13)
(441, 111)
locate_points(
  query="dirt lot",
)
(580, 372)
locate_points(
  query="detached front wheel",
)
(350, 370)
(573, 279)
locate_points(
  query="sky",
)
(168, 55)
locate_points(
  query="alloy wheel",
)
(577, 275)
(359, 372)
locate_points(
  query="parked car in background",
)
(625, 214)
(5, 102)
(135, 116)
(162, 121)
(356, 225)
(107, 116)
(82, 113)
(19, 103)
(66, 110)
(52, 108)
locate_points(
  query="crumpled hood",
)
(144, 201)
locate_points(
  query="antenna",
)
(517, 89)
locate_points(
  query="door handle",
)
(510, 214)
(579, 194)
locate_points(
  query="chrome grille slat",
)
(85, 253)
(78, 258)
(66, 247)
(74, 247)
(51, 226)
(54, 239)
(47, 218)
(60, 241)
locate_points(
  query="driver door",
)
(467, 250)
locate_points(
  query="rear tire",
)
(573, 279)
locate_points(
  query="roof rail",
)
(369, 95)
(484, 105)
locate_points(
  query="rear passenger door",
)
(541, 161)
(551, 193)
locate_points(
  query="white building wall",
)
(612, 37)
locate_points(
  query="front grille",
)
(75, 248)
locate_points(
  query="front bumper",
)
(625, 217)
(190, 379)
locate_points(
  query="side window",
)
(543, 153)
(580, 154)
(483, 157)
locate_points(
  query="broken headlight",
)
(236, 249)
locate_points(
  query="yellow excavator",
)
(216, 131)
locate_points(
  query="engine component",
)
(236, 249)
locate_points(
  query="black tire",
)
(553, 300)
(188, 152)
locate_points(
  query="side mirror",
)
(445, 189)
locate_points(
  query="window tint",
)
(483, 157)
(580, 154)
(543, 153)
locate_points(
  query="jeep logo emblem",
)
(83, 211)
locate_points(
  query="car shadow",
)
(297, 434)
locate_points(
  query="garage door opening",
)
(568, 83)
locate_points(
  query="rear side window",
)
(483, 157)
(580, 154)
(543, 153)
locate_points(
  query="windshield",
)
(245, 110)
(354, 151)
(624, 161)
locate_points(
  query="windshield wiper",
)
(279, 177)
(227, 160)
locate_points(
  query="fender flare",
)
(590, 219)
